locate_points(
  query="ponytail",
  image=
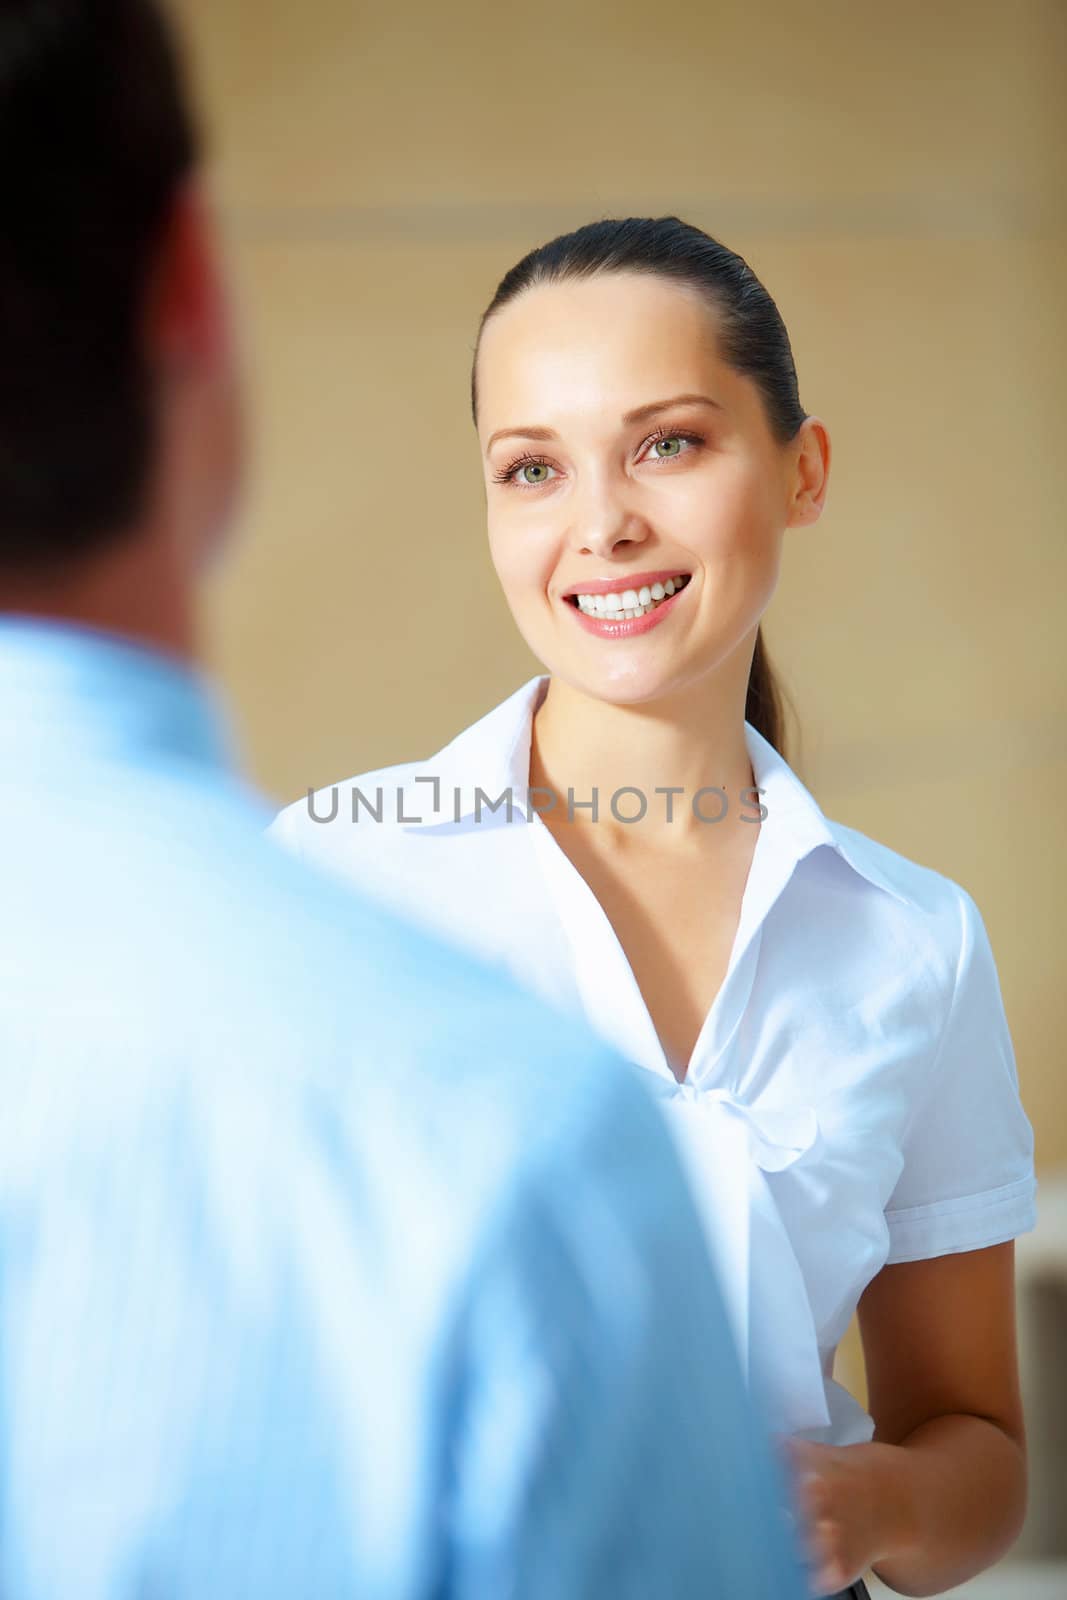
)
(763, 702)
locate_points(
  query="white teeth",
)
(624, 605)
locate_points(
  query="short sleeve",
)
(968, 1177)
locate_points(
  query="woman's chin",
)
(619, 682)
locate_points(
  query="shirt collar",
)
(804, 824)
(68, 690)
(493, 755)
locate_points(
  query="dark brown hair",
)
(95, 136)
(752, 339)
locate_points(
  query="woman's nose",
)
(604, 523)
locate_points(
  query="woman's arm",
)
(940, 1493)
(943, 1389)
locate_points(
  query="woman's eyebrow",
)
(519, 433)
(642, 413)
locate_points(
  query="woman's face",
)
(621, 454)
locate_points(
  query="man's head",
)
(119, 420)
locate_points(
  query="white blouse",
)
(852, 1099)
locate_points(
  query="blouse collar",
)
(493, 756)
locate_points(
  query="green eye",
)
(665, 448)
(533, 472)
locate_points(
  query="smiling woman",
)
(705, 421)
(820, 1015)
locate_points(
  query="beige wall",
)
(894, 173)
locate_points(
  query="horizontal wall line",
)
(951, 215)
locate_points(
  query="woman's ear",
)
(811, 473)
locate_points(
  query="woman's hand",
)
(847, 1505)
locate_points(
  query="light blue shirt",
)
(329, 1265)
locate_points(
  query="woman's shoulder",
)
(433, 789)
(364, 792)
(928, 906)
(354, 818)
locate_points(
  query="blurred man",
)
(296, 1297)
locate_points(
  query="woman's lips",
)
(627, 628)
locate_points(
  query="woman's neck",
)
(692, 742)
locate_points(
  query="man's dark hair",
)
(95, 137)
